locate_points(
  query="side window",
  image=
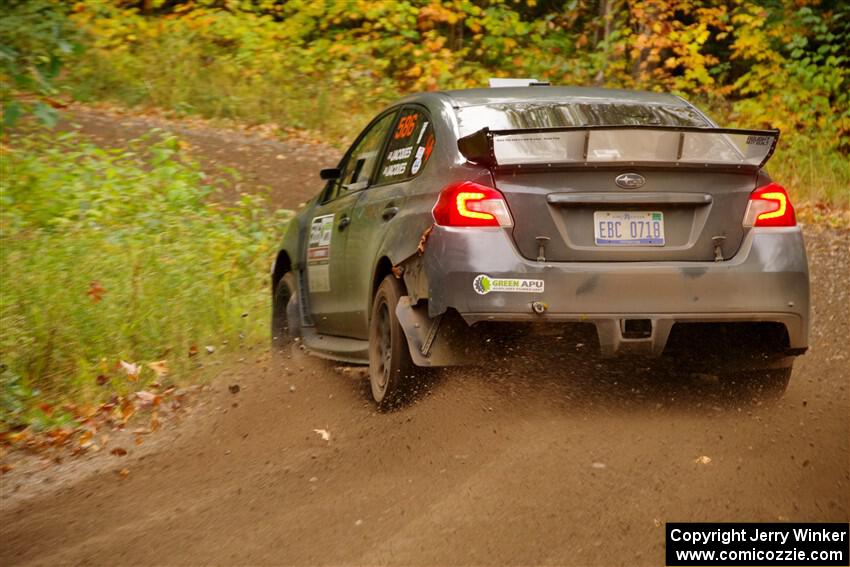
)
(410, 146)
(362, 159)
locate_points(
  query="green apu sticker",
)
(483, 284)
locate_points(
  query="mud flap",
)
(434, 341)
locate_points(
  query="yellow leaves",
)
(434, 44)
(435, 12)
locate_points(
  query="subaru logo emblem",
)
(630, 180)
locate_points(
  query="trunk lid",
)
(624, 193)
(697, 211)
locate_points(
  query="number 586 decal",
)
(406, 126)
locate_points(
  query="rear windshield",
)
(516, 115)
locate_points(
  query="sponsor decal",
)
(759, 140)
(319, 254)
(417, 163)
(423, 152)
(484, 284)
(422, 131)
(429, 146)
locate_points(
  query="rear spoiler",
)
(600, 146)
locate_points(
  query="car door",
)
(326, 243)
(407, 151)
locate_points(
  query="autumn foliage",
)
(328, 65)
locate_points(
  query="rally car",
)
(628, 211)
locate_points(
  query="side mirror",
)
(330, 173)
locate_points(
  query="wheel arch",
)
(282, 264)
(383, 268)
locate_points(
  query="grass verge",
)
(117, 268)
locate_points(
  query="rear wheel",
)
(391, 370)
(766, 384)
(285, 324)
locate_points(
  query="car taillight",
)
(470, 204)
(770, 206)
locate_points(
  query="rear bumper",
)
(766, 281)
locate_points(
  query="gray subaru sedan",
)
(455, 214)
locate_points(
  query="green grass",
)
(187, 76)
(812, 172)
(177, 270)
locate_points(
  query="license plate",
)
(628, 228)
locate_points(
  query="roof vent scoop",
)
(500, 82)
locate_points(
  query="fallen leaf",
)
(85, 439)
(132, 370)
(127, 410)
(118, 452)
(20, 436)
(4, 468)
(703, 460)
(95, 291)
(102, 380)
(154, 422)
(124, 473)
(193, 350)
(160, 368)
(139, 440)
(148, 398)
(59, 436)
(325, 434)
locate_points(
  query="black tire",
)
(764, 385)
(285, 325)
(391, 370)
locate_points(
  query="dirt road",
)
(541, 459)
